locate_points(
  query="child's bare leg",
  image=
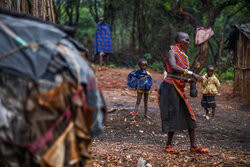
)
(101, 58)
(206, 111)
(146, 104)
(138, 101)
(213, 111)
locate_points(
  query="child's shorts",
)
(208, 101)
(142, 91)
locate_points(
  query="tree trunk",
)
(69, 12)
(18, 5)
(133, 35)
(58, 11)
(141, 29)
(109, 13)
(9, 4)
(77, 12)
(44, 11)
(220, 53)
(220, 49)
(96, 12)
(23, 6)
(200, 58)
(203, 52)
(52, 11)
(35, 8)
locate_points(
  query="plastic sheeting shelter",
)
(47, 113)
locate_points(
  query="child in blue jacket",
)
(141, 80)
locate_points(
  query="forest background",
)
(146, 28)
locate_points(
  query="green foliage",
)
(167, 5)
(228, 75)
(86, 25)
(203, 71)
(229, 82)
(112, 66)
(157, 66)
(148, 56)
(153, 26)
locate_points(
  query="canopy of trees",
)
(145, 27)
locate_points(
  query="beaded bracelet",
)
(185, 71)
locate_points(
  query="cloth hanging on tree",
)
(203, 34)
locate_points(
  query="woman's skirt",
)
(174, 112)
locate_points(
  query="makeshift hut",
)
(48, 114)
(239, 42)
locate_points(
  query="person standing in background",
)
(103, 43)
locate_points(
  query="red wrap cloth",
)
(183, 62)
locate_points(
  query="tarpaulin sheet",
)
(33, 61)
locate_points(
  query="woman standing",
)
(176, 112)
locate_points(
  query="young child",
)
(141, 80)
(210, 86)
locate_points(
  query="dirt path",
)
(124, 141)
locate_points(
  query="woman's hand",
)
(192, 80)
(197, 77)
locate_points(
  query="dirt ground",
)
(124, 141)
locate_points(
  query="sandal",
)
(199, 150)
(100, 69)
(133, 113)
(169, 149)
(106, 68)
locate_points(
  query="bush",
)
(203, 71)
(230, 82)
(157, 66)
(229, 75)
(112, 66)
(148, 56)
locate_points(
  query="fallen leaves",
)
(126, 140)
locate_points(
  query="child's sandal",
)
(199, 150)
(169, 149)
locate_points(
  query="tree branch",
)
(217, 42)
(211, 48)
(223, 5)
(177, 11)
(229, 16)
